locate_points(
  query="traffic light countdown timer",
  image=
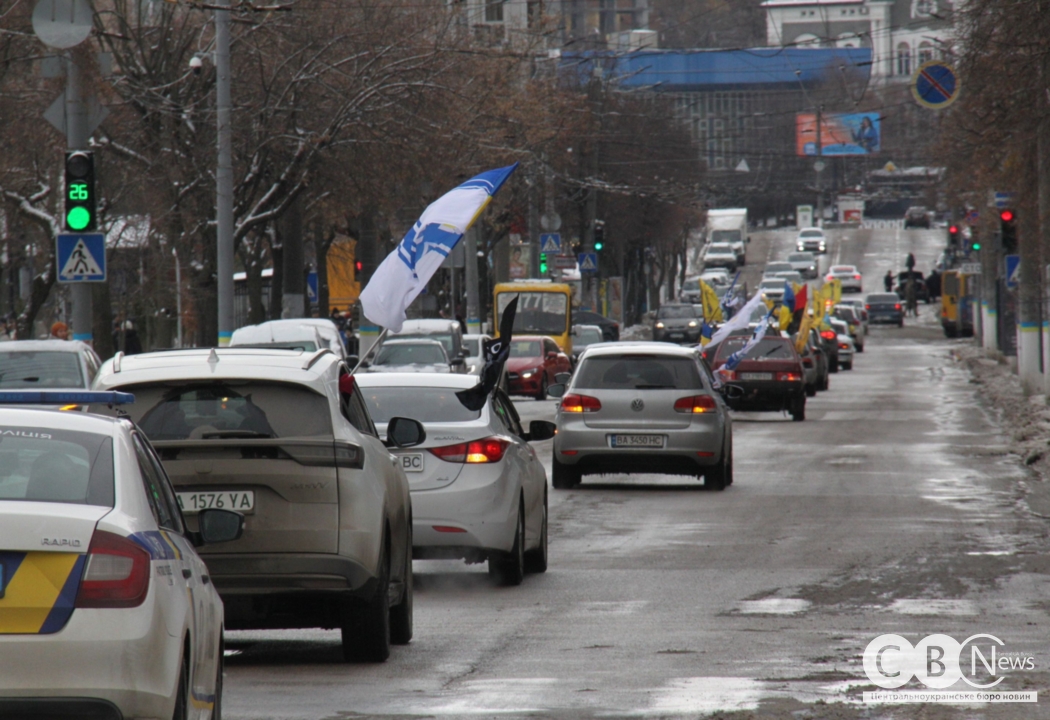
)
(80, 191)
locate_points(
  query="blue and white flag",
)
(406, 271)
(739, 321)
(760, 332)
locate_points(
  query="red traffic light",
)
(359, 266)
(1006, 215)
(953, 229)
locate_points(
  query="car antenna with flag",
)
(496, 353)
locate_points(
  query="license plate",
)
(756, 376)
(239, 500)
(656, 441)
(412, 462)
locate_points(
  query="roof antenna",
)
(213, 357)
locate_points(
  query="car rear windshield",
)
(445, 339)
(883, 298)
(40, 369)
(778, 267)
(800, 257)
(228, 410)
(437, 405)
(843, 269)
(586, 336)
(61, 466)
(676, 311)
(691, 286)
(846, 313)
(472, 346)
(811, 234)
(766, 349)
(525, 348)
(638, 372)
(411, 355)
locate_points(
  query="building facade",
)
(902, 34)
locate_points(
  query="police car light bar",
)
(64, 397)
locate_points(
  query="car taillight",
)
(828, 335)
(116, 574)
(728, 374)
(867, 307)
(489, 450)
(807, 362)
(843, 346)
(695, 404)
(856, 277)
(788, 377)
(580, 404)
(897, 306)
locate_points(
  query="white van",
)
(308, 334)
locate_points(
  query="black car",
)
(885, 308)
(921, 291)
(610, 328)
(677, 323)
(916, 216)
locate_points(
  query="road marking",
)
(926, 606)
(773, 606)
(708, 694)
(626, 607)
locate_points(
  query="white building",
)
(621, 24)
(902, 34)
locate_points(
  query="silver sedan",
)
(478, 491)
(642, 408)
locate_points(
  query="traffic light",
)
(1008, 231)
(80, 191)
(599, 235)
(543, 264)
(953, 236)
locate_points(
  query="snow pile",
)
(637, 332)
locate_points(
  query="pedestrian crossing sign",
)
(550, 243)
(1013, 271)
(81, 257)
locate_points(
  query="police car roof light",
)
(64, 397)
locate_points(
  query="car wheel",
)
(564, 477)
(715, 476)
(811, 390)
(860, 348)
(542, 394)
(366, 622)
(536, 559)
(509, 568)
(401, 614)
(798, 409)
(900, 323)
(833, 366)
(827, 382)
(847, 366)
(182, 693)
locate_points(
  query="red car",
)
(533, 363)
(770, 375)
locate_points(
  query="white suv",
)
(268, 432)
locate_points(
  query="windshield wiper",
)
(230, 434)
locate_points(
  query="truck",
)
(729, 225)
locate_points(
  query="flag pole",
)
(377, 343)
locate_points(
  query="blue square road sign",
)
(81, 257)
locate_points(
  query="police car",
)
(106, 610)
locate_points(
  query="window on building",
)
(924, 8)
(926, 52)
(494, 11)
(534, 14)
(903, 59)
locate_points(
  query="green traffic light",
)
(977, 246)
(78, 218)
(598, 245)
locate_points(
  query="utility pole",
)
(470, 247)
(224, 175)
(1043, 150)
(819, 165)
(77, 139)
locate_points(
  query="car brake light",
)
(695, 404)
(856, 277)
(580, 404)
(488, 450)
(867, 307)
(727, 374)
(828, 335)
(897, 306)
(116, 574)
(843, 346)
(788, 377)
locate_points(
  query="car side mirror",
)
(463, 353)
(458, 361)
(552, 356)
(556, 390)
(562, 378)
(405, 432)
(732, 392)
(541, 430)
(218, 526)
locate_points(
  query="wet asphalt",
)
(894, 508)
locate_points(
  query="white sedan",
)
(848, 275)
(106, 610)
(478, 490)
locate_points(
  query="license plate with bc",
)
(412, 462)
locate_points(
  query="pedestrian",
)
(8, 330)
(910, 263)
(933, 284)
(59, 331)
(126, 338)
(911, 304)
(888, 281)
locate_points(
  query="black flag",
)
(496, 353)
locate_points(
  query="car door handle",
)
(187, 573)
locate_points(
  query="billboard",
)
(840, 133)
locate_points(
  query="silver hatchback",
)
(642, 408)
